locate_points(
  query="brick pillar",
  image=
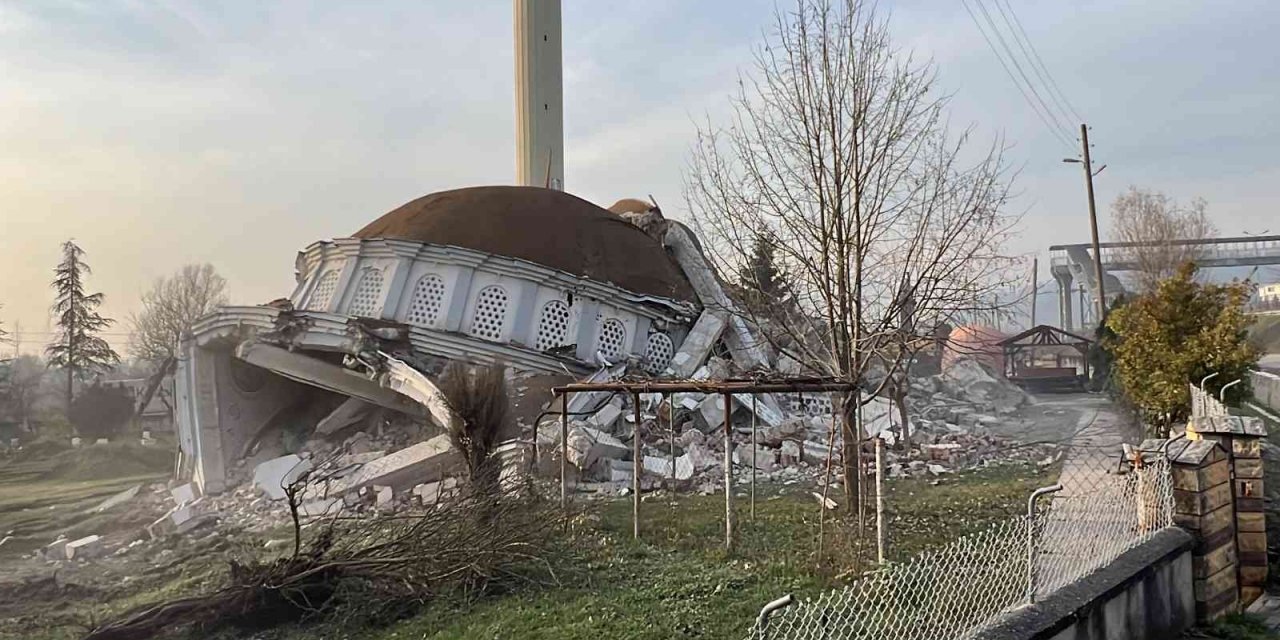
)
(1241, 437)
(1203, 505)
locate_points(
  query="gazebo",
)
(1046, 358)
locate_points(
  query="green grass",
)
(679, 582)
(1235, 627)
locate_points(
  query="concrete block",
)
(605, 418)
(1255, 522)
(275, 474)
(765, 459)
(660, 467)
(85, 548)
(384, 496)
(712, 410)
(697, 344)
(619, 470)
(430, 493)
(423, 462)
(816, 453)
(1201, 478)
(790, 452)
(699, 457)
(586, 445)
(183, 494)
(55, 550)
(318, 508)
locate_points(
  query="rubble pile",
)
(950, 419)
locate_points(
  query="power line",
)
(1013, 57)
(1031, 103)
(1038, 61)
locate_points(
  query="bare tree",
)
(169, 309)
(838, 156)
(1159, 226)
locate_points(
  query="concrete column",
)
(210, 460)
(524, 320)
(539, 94)
(394, 295)
(457, 300)
(1063, 277)
(588, 326)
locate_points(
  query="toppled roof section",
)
(545, 226)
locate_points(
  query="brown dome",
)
(545, 226)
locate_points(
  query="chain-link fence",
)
(1102, 506)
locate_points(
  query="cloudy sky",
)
(163, 132)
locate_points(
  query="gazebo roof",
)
(1045, 335)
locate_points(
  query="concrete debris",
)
(605, 418)
(423, 462)
(586, 445)
(118, 499)
(183, 494)
(85, 548)
(348, 413)
(274, 475)
(763, 458)
(827, 502)
(431, 493)
(384, 495)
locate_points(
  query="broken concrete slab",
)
(85, 548)
(699, 457)
(660, 467)
(348, 413)
(383, 496)
(697, 344)
(404, 379)
(317, 508)
(712, 410)
(55, 550)
(826, 502)
(118, 499)
(275, 474)
(816, 453)
(790, 452)
(423, 462)
(318, 373)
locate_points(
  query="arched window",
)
(322, 294)
(553, 325)
(491, 313)
(657, 353)
(428, 298)
(368, 292)
(612, 338)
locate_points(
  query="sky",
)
(158, 133)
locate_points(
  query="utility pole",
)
(1093, 225)
(1035, 270)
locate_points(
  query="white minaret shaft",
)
(539, 94)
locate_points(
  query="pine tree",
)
(759, 276)
(78, 349)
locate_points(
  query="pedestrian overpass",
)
(1070, 262)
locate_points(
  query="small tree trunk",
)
(849, 453)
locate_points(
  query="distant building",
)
(1269, 292)
(158, 416)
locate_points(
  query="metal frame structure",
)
(726, 388)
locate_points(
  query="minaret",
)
(539, 94)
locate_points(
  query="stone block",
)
(660, 467)
(1202, 502)
(1210, 589)
(1252, 541)
(275, 474)
(1199, 479)
(1255, 522)
(790, 452)
(699, 457)
(1249, 594)
(383, 496)
(1246, 448)
(1248, 468)
(85, 548)
(55, 550)
(587, 445)
(1251, 576)
(712, 410)
(1211, 563)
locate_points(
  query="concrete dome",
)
(548, 227)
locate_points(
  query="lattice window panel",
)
(322, 294)
(427, 300)
(491, 313)
(368, 292)
(612, 338)
(553, 326)
(658, 352)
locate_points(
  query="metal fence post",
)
(762, 620)
(881, 528)
(564, 450)
(637, 467)
(728, 471)
(1031, 538)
